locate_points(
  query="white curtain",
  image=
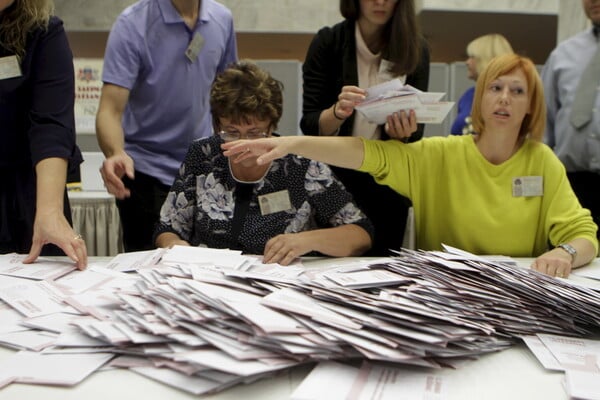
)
(97, 220)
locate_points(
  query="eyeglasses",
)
(230, 136)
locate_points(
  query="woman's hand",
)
(401, 125)
(169, 239)
(555, 262)
(50, 224)
(285, 248)
(266, 150)
(334, 116)
(349, 97)
(54, 228)
(558, 262)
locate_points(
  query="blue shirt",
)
(465, 103)
(201, 203)
(169, 95)
(579, 150)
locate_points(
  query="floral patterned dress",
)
(201, 203)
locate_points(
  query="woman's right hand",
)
(349, 97)
(266, 150)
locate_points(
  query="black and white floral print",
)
(201, 203)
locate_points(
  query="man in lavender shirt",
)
(161, 59)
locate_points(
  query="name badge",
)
(9, 67)
(274, 202)
(527, 186)
(194, 47)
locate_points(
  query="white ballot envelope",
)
(390, 97)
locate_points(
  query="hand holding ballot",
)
(348, 99)
(390, 97)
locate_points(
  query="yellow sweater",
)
(462, 200)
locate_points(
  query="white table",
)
(510, 374)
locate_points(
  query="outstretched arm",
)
(345, 152)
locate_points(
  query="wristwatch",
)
(569, 249)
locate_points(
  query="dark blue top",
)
(464, 111)
(36, 108)
(36, 122)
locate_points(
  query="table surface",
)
(514, 373)
(510, 374)
(90, 195)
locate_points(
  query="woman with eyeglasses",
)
(284, 209)
(378, 40)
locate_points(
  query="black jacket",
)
(331, 64)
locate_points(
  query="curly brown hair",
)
(21, 18)
(244, 92)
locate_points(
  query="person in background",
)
(37, 126)
(480, 52)
(504, 191)
(378, 40)
(161, 58)
(576, 143)
(283, 209)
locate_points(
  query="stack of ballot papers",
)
(392, 96)
(202, 320)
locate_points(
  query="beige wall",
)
(307, 16)
(282, 29)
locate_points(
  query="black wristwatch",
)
(569, 249)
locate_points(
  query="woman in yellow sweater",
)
(499, 192)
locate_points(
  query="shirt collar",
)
(171, 16)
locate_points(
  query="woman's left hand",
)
(401, 125)
(54, 228)
(285, 248)
(555, 262)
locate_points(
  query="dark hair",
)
(244, 92)
(402, 35)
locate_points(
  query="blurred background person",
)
(480, 52)
(378, 40)
(284, 209)
(161, 58)
(37, 96)
(573, 125)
